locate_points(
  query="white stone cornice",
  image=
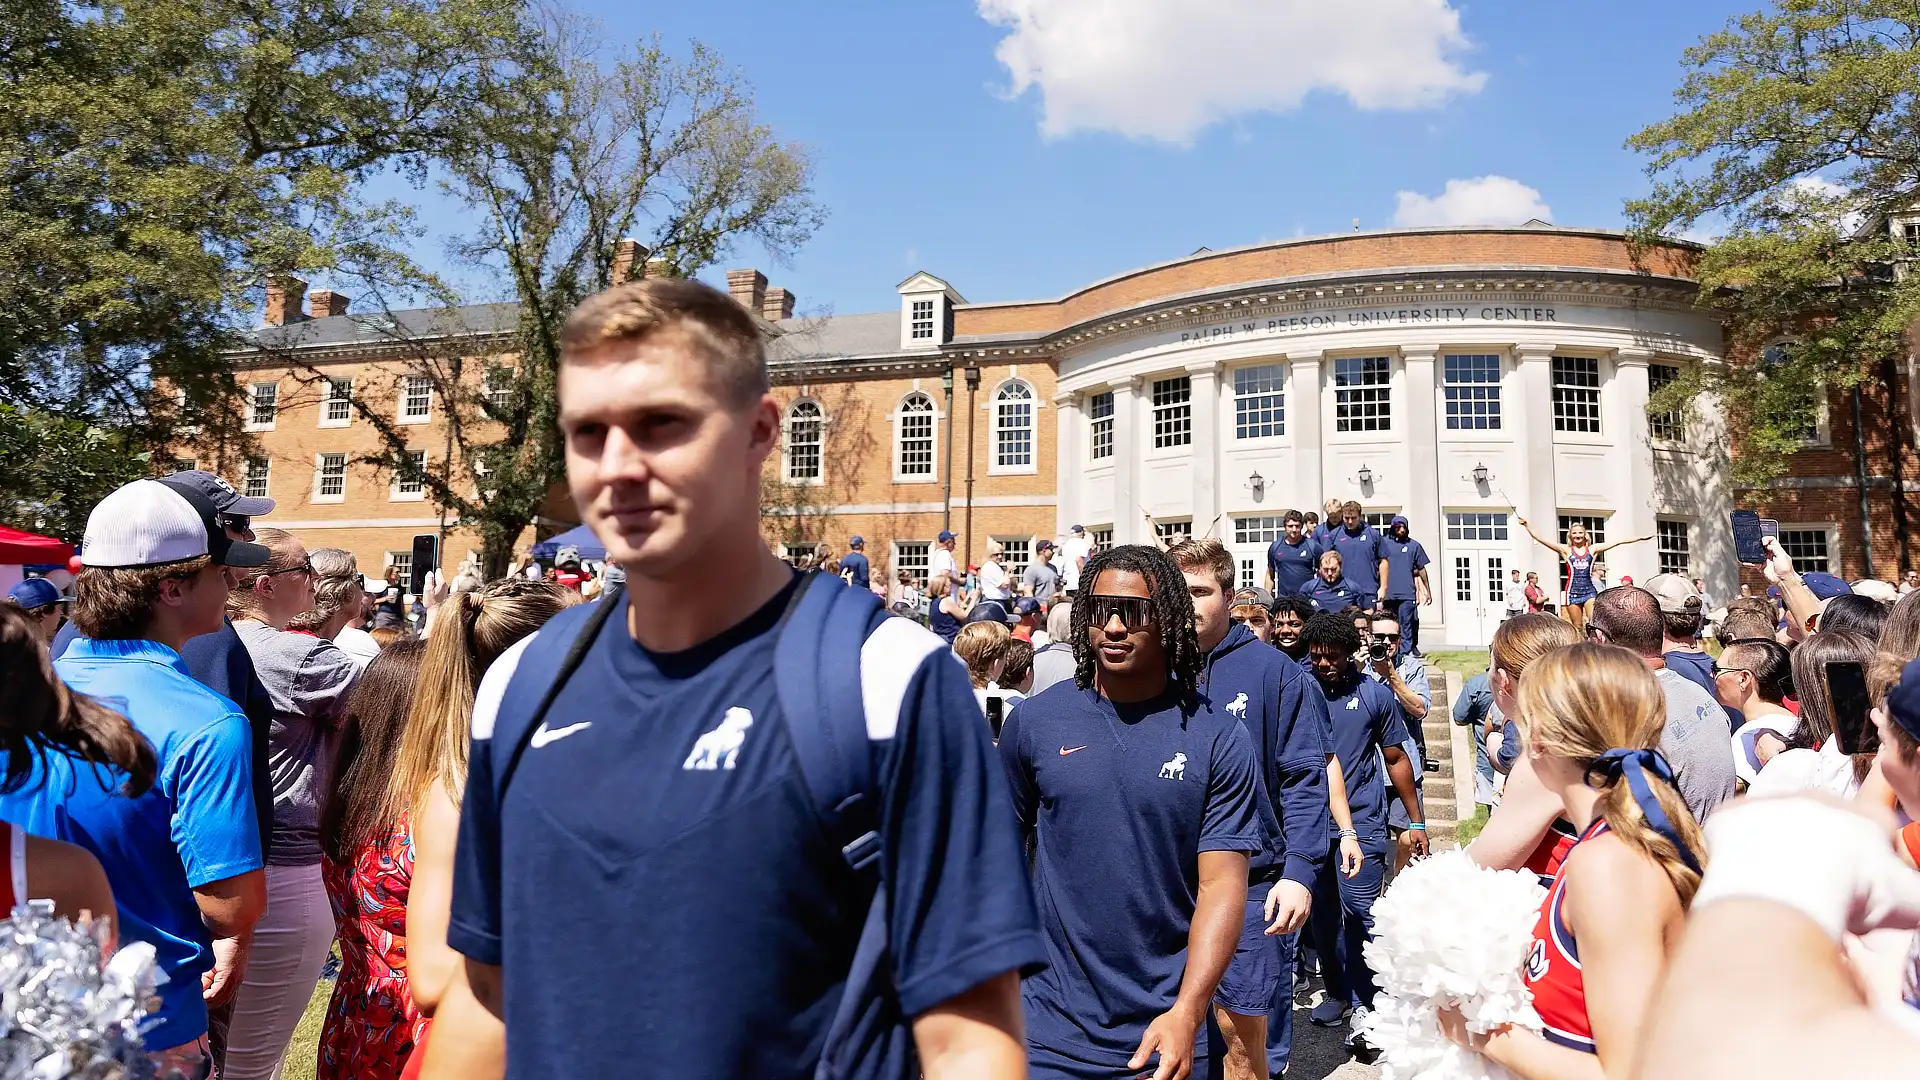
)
(1632, 357)
(1530, 353)
(1204, 369)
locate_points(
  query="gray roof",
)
(390, 326)
(835, 336)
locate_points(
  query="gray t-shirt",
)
(309, 680)
(1042, 580)
(1052, 663)
(1695, 744)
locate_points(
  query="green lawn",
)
(303, 1052)
(1463, 662)
(1470, 828)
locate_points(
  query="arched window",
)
(1013, 426)
(913, 435)
(806, 438)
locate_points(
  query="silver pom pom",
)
(64, 1015)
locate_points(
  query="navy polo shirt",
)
(1292, 565)
(1364, 716)
(1335, 598)
(862, 573)
(1403, 558)
(656, 884)
(1119, 801)
(1360, 554)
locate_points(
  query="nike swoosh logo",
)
(552, 735)
(1065, 751)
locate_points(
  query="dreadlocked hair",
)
(1172, 615)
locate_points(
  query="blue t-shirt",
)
(1403, 558)
(195, 825)
(1119, 802)
(1334, 598)
(1292, 565)
(1364, 717)
(862, 573)
(656, 883)
(1360, 554)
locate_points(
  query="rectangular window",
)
(1674, 543)
(410, 479)
(1463, 579)
(258, 469)
(1380, 519)
(1496, 580)
(339, 403)
(1473, 527)
(499, 386)
(922, 320)
(1258, 530)
(1472, 385)
(1664, 426)
(330, 478)
(1100, 415)
(403, 562)
(915, 451)
(1013, 427)
(1361, 394)
(418, 401)
(1576, 394)
(1017, 553)
(1172, 532)
(266, 401)
(1102, 539)
(913, 556)
(1807, 548)
(185, 464)
(1259, 405)
(1172, 412)
(1911, 233)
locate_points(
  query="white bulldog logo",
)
(1175, 769)
(717, 749)
(1238, 706)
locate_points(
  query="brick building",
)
(1461, 376)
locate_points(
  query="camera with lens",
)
(1377, 650)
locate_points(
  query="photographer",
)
(1405, 675)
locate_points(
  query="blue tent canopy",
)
(578, 537)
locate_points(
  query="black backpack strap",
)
(576, 652)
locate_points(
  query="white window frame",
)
(1102, 539)
(919, 563)
(1257, 402)
(900, 414)
(1016, 556)
(1173, 530)
(1340, 429)
(1556, 388)
(266, 477)
(1668, 428)
(923, 318)
(1822, 437)
(996, 466)
(1174, 412)
(185, 464)
(406, 397)
(819, 478)
(1456, 413)
(403, 562)
(1100, 428)
(320, 477)
(254, 423)
(1661, 551)
(499, 393)
(1827, 528)
(328, 399)
(1253, 535)
(1477, 527)
(398, 490)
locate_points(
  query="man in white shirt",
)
(1074, 553)
(941, 562)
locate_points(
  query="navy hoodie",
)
(1287, 716)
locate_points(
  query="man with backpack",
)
(723, 827)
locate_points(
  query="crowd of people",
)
(1097, 818)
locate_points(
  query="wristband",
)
(1349, 834)
(1418, 825)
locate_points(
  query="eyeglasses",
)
(1135, 612)
(235, 522)
(1718, 670)
(305, 567)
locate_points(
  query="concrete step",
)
(1438, 788)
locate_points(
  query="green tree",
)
(161, 156)
(53, 469)
(1797, 134)
(565, 157)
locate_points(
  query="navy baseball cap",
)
(945, 536)
(224, 498)
(1044, 545)
(1903, 701)
(36, 593)
(1025, 605)
(1826, 586)
(857, 543)
(987, 611)
(1077, 529)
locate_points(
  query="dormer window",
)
(923, 320)
(926, 312)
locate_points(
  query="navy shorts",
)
(1253, 978)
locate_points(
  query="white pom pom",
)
(1449, 932)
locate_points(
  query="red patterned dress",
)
(372, 1026)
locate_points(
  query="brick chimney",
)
(325, 303)
(626, 254)
(749, 288)
(777, 305)
(285, 294)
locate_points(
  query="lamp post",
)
(972, 372)
(1480, 473)
(946, 485)
(1257, 484)
(1365, 476)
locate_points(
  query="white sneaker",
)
(1359, 1016)
(1329, 1012)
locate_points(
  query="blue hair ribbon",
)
(1633, 765)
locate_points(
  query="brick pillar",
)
(326, 303)
(776, 305)
(749, 288)
(285, 295)
(626, 255)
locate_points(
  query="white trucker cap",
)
(154, 523)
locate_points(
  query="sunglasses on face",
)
(1718, 670)
(306, 567)
(1134, 611)
(235, 522)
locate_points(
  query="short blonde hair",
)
(712, 320)
(1206, 553)
(981, 645)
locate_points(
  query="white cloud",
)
(1483, 200)
(1154, 69)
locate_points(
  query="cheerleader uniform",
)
(1580, 577)
(1553, 966)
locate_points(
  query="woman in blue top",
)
(947, 607)
(1579, 553)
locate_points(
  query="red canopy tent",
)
(22, 548)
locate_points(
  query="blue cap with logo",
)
(1026, 605)
(1825, 586)
(36, 593)
(945, 536)
(857, 543)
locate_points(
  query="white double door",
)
(1477, 588)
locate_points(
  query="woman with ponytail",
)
(468, 633)
(1592, 716)
(1527, 829)
(44, 717)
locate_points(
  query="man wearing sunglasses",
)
(1140, 802)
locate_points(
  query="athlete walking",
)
(1139, 800)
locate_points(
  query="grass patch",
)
(1470, 828)
(303, 1053)
(1463, 661)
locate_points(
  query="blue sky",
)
(1149, 128)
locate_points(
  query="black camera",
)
(1377, 650)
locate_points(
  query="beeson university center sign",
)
(1364, 318)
